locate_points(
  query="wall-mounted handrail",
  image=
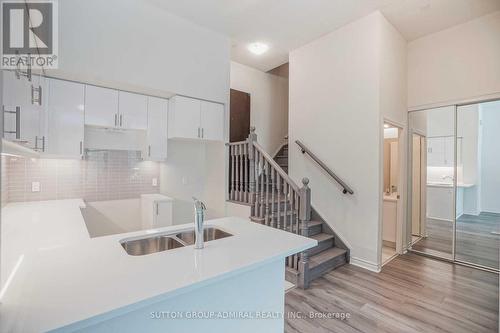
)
(305, 150)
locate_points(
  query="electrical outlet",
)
(155, 182)
(35, 187)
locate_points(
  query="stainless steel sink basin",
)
(139, 247)
(209, 234)
(158, 243)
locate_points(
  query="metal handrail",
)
(305, 150)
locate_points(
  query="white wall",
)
(194, 169)
(337, 101)
(455, 64)
(490, 157)
(268, 103)
(133, 45)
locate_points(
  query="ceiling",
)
(288, 24)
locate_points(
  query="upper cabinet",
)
(212, 121)
(23, 105)
(191, 118)
(101, 106)
(157, 129)
(115, 109)
(65, 118)
(133, 111)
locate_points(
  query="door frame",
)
(402, 182)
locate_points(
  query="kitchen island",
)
(56, 278)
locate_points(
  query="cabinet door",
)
(157, 129)
(163, 214)
(65, 118)
(435, 152)
(17, 93)
(185, 118)
(133, 111)
(449, 152)
(101, 106)
(212, 121)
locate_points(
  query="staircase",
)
(282, 157)
(262, 182)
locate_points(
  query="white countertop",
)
(462, 185)
(66, 276)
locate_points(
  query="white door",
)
(133, 111)
(65, 118)
(101, 106)
(185, 117)
(212, 121)
(157, 129)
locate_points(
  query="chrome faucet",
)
(199, 211)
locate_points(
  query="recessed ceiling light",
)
(386, 126)
(258, 48)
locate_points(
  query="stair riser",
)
(314, 230)
(292, 276)
(321, 247)
(327, 266)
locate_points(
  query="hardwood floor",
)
(411, 294)
(477, 239)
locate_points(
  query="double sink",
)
(164, 242)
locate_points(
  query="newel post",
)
(252, 137)
(305, 217)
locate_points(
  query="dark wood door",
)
(239, 123)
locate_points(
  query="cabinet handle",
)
(116, 117)
(202, 132)
(36, 143)
(121, 118)
(198, 132)
(157, 210)
(43, 143)
(81, 148)
(149, 150)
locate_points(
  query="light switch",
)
(155, 182)
(35, 187)
(184, 181)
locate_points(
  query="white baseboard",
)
(371, 266)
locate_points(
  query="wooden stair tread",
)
(324, 256)
(312, 224)
(321, 237)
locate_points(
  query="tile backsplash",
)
(103, 175)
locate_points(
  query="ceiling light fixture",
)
(386, 126)
(258, 48)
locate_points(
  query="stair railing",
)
(276, 201)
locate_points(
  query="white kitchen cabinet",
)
(184, 118)
(212, 121)
(65, 118)
(18, 94)
(156, 210)
(157, 129)
(191, 118)
(101, 106)
(435, 152)
(449, 151)
(132, 111)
